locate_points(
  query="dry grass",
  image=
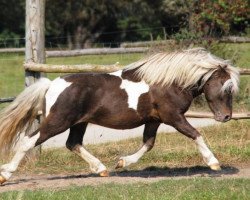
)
(230, 142)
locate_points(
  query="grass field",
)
(197, 188)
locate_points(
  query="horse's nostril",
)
(227, 117)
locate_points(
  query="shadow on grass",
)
(150, 172)
(178, 172)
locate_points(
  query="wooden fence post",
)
(34, 47)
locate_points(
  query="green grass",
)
(196, 188)
(239, 54)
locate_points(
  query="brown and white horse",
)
(157, 89)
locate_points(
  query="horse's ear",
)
(223, 67)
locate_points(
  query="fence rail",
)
(7, 99)
(127, 45)
(47, 68)
(235, 116)
(80, 52)
(36, 67)
(96, 51)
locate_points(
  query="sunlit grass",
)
(195, 188)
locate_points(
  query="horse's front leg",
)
(149, 135)
(183, 126)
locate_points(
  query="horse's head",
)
(219, 91)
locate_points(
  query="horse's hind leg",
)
(49, 128)
(149, 135)
(26, 144)
(74, 143)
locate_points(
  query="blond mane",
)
(184, 68)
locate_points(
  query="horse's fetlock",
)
(6, 175)
(8, 167)
(97, 168)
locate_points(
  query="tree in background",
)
(220, 17)
(82, 23)
(12, 23)
(87, 22)
(138, 19)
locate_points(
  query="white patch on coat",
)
(133, 89)
(56, 88)
(117, 73)
(205, 151)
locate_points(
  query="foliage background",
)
(79, 24)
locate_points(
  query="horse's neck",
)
(196, 91)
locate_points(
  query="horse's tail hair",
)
(21, 113)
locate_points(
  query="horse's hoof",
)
(120, 164)
(2, 180)
(104, 173)
(215, 167)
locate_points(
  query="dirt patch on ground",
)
(151, 174)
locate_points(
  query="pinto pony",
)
(157, 89)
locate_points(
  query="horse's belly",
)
(126, 120)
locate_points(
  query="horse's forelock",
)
(230, 86)
(227, 87)
(234, 79)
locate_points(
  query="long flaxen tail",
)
(20, 114)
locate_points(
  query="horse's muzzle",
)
(222, 118)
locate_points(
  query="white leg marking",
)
(95, 164)
(56, 88)
(205, 151)
(26, 144)
(134, 157)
